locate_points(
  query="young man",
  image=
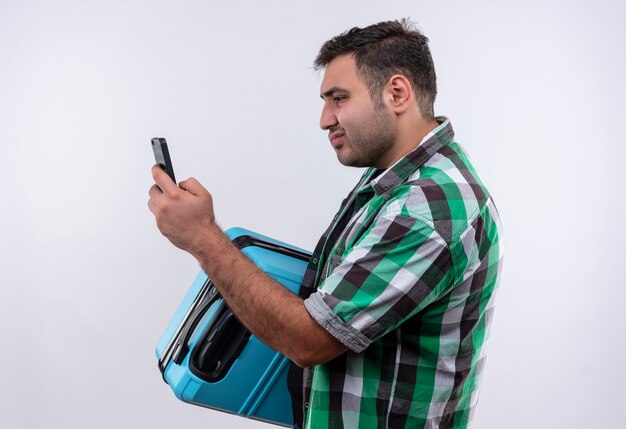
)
(397, 299)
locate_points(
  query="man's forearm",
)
(265, 307)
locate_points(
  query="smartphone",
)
(162, 156)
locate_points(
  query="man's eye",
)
(339, 99)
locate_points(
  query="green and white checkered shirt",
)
(408, 287)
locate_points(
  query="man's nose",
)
(327, 119)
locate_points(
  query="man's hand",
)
(183, 213)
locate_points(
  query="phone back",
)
(209, 359)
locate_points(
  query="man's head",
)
(383, 50)
(378, 83)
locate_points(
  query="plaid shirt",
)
(408, 286)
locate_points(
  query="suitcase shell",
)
(209, 359)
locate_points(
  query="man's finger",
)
(163, 180)
(194, 187)
(154, 191)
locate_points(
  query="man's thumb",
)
(192, 186)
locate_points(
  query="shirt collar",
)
(404, 167)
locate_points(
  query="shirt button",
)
(306, 404)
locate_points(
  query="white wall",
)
(535, 91)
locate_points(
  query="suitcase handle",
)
(181, 347)
(219, 348)
(248, 240)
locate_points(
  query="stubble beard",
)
(369, 142)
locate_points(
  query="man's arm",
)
(275, 315)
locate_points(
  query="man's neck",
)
(409, 137)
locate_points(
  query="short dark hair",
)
(382, 50)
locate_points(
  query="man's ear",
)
(399, 93)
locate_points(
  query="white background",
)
(534, 89)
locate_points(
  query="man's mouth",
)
(336, 138)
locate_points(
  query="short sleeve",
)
(398, 267)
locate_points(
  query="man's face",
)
(360, 132)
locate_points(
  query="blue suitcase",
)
(207, 356)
